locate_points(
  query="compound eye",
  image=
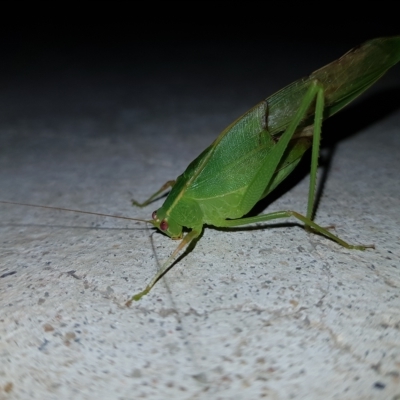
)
(154, 215)
(164, 225)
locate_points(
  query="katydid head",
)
(166, 224)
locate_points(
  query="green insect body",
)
(262, 147)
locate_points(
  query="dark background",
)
(94, 59)
(42, 40)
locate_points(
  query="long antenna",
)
(76, 211)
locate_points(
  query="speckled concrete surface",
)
(250, 313)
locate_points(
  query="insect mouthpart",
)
(154, 215)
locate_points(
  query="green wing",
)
(220, 180)
(344, 79)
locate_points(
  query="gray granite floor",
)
(248, 313)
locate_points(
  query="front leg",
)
(167, 185)
(193, 234)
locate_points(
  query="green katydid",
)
(261, 148)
